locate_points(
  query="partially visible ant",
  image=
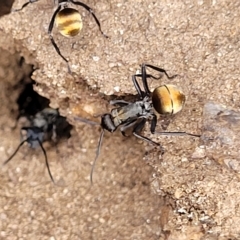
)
(67, 20)
(43, 127)
(166, 100)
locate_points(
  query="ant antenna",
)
(19, 146)
(84, 120)
(46, 160)
(97, 154)
(178, 134)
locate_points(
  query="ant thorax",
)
(132, 111)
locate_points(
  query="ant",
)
(67, 20)
(42, 128)
(166, 100)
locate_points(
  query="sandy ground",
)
(192, 191)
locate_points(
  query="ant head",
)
(168, 99)
(107, 122)
(68, 22)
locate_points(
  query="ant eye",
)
(168, 99)
(69, 22)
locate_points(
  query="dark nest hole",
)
(30, 103)
(39, 122)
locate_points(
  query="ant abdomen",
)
(69, 22)
(168, 99)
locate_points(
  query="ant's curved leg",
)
(144, 79)
(24, 5)
(159, 70)
(136, 85)
(91, 11)
(46, 160)
(145, 75)
(50, 28)
(97, 154)
(153, 123)
(126, 126)
(120, 103)
(178, 134)
(138, 128)
(141, 93)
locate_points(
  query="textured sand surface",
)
(192, 191)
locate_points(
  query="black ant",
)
(67, 20)
(42, 128)
(165, 100)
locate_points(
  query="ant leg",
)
(159, 70)
(148, 76)
(136, 85)
(119, 102)
(97, 154)
(178, 134)
(144, 80)
(91, 11)
(145, 75)
(153, 123)
(46, 160)
(24, 5)
(15, 152)
(50, 28)
(138, 128)
(126, 126)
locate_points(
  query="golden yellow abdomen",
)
(69, 22)
(168, 99)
